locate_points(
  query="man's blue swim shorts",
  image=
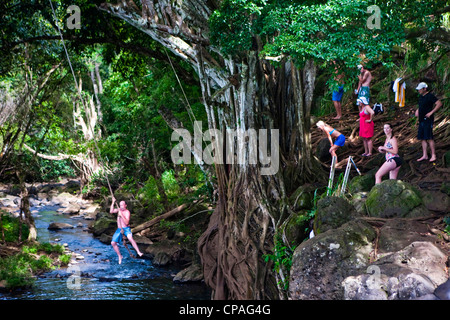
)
(337, 95)
(117, 237)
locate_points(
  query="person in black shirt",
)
(428, 105)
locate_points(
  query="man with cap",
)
(363, 85)
(428, 105)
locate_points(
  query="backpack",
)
(378, 108)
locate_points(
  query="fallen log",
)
(154, 221)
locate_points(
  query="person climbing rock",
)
(123, 223)
(393, 160)
(331, 132)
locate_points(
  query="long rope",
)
(90, 128)
(188, 105)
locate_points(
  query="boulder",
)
(59, 226)
(302, 198)
(332, 212)
(72, 187)
(413, 272)
(358, 201)
(396, 234)
(322, 150)
(395, 198)
(104, 224)
(363, 183)
(436, 201)
(320, 264)
(91, 211)
(72, 208)
(161, 259)
(296, 226)
(193, 273)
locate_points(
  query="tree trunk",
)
(25, 209)
(244, 96)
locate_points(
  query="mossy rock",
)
(104, 224)
(395, 198)
(332, 212)
(363, 183)
(295, 229)
(302, 198)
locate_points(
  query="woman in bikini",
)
(393, 160)
(332, 133)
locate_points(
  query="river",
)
(96, 274)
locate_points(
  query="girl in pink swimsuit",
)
(366, 126)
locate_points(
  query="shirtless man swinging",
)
(123, 222)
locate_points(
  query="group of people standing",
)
(428, 106)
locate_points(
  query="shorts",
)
(337, 95)
(425, 131)
(398, 161)
(340, 141)
(364, 92)
(117, 237)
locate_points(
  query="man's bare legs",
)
(337, 106)
(134, 244)
(424, 151)
(116, 249)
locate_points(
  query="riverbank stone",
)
(59, 226)
(395, 198)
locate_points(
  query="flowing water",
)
(97, 274)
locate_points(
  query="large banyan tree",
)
(257, 61)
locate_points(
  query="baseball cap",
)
(421, 86)
(360, 66)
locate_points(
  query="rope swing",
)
(124, 241)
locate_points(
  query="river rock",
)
(161, 259)
(59, 226)
(320, 264)
(71, 209)
(104, 225)
(193, 273)
(395, 198)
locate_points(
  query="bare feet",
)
(120, 259)
(423, 158)
(140, 254)
(432, 159)
(336, 118)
